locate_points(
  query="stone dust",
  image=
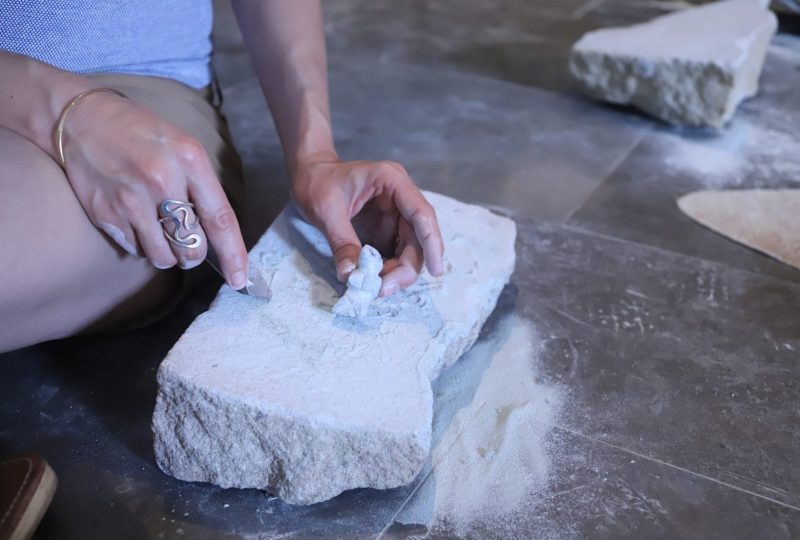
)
(492, 450)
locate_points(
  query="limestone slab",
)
(763, 219)
(690, 67)
(288, 397)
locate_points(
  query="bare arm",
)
(32, 95)
(287, 45)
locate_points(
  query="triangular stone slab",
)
(691, 67)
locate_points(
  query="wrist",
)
(299, 160)
(57, 88)
(76, 102)
(311, 139)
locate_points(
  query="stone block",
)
(288, 397)
(691, 67)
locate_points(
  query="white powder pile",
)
(741, 155)
(494, 456)
(716, 159)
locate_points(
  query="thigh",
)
(59, 274)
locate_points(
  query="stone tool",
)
(256, 286)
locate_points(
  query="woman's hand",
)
(123, 160)
(350, 202)
(371, 201)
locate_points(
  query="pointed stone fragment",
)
(765, 220)
(690, 67)
(289, 397)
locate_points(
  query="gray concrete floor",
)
(666, 385)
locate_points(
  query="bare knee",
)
(58, 273)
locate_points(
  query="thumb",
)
(344, 243)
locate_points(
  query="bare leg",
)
(58, 273)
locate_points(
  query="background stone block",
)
(690, 67)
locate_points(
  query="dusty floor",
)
(640, 376)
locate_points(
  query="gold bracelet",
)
(61, 119)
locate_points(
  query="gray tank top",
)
(160, 38)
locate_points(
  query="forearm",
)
(286, 42)
(32, 95)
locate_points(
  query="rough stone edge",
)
(200, 425)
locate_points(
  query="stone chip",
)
(288, 397)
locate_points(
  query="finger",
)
(403, 271)
(342, 237)
(122, 234)
(150, 236)
(376, 225)
(420, 214)
(182, 228)
(219, 222)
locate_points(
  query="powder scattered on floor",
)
(494, 455)
(757, 149)
(738, 156)
(717, 159)
(786, 47)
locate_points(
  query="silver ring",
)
(177, 213)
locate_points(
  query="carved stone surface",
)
(690, 67)
(288, 397)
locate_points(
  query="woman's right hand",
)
(122, 161)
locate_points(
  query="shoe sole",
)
(38, 506)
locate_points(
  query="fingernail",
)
(390, 288)
(437, 269)
(346, 267)
(190, 263)
(239, 280)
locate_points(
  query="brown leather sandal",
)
(27, 485)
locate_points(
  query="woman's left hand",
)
(375, 202)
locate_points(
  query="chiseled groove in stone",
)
(212, 424)
(643, 65)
